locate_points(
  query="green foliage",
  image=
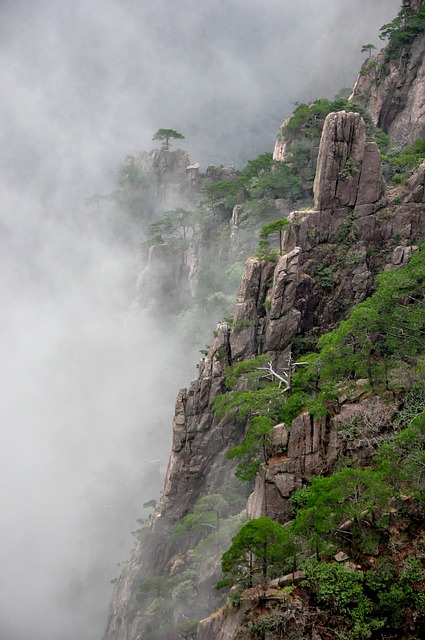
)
(275, 228)
(254, 399)
(380, 599)
(349, 169)
(187, 629)
(381, 331)
(254, 449)
(177, 226)
(303, 131)
(401, 32)
(247, 374)
(271, 624)
(299, 499)
(263, 163)
(359, 496)
(154, 587)
(165, 135)
(257, 185)
(205, 516)
(151, 504)
(334, 585)
(368, 48)
(400, 163)
(282, 182)
(412, 405)
(129, 172)
(403, 459)
(347, 510)
(326, 277)
(308, 119)
(221, 196)
(259, 551)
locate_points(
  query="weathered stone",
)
(417, 185)
(249, 308)
(282, 147)
(354, 249)
(223, 625)
(348, 168)
(283, 316)
(371, 185)
(395, 97)
(292, 578)
(280, 435)
(341, 556)
(286, 484)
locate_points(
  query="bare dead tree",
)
(284, 378)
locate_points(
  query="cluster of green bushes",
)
(399, 163)
(401, 32)
(256, 400)
(306, 124)
(379, 339)
(355, 511)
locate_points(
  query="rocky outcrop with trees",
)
(312, 393)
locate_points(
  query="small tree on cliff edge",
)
(275, 228)
(164, 135)
(368, 48)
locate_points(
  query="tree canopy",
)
(257, 551)
(165, 135)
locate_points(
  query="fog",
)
(87, 384)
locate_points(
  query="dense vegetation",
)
(399, 163)
(371, 515)
(402, 31)
(364, 512)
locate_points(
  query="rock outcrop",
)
(349, 170)
(393, 90)
(333, 253)
(164, 280)
(416, 183)
(282, 147)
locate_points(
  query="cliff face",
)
(333, 254)
(393, 90)
(356, 241)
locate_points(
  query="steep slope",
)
(333, 254)
(316, 445)
(392, 84)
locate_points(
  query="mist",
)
(87, 382)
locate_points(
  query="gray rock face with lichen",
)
(333, 255)
(348, 168)
(394, 91)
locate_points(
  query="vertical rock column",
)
(349, 170)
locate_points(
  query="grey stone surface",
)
(348, 168)
(395, 95)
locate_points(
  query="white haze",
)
(87, 388)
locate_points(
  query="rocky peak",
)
(348, 167)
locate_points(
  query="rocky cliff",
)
(392, 87)
(356, 229)
(356, 232)
(333, 255)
